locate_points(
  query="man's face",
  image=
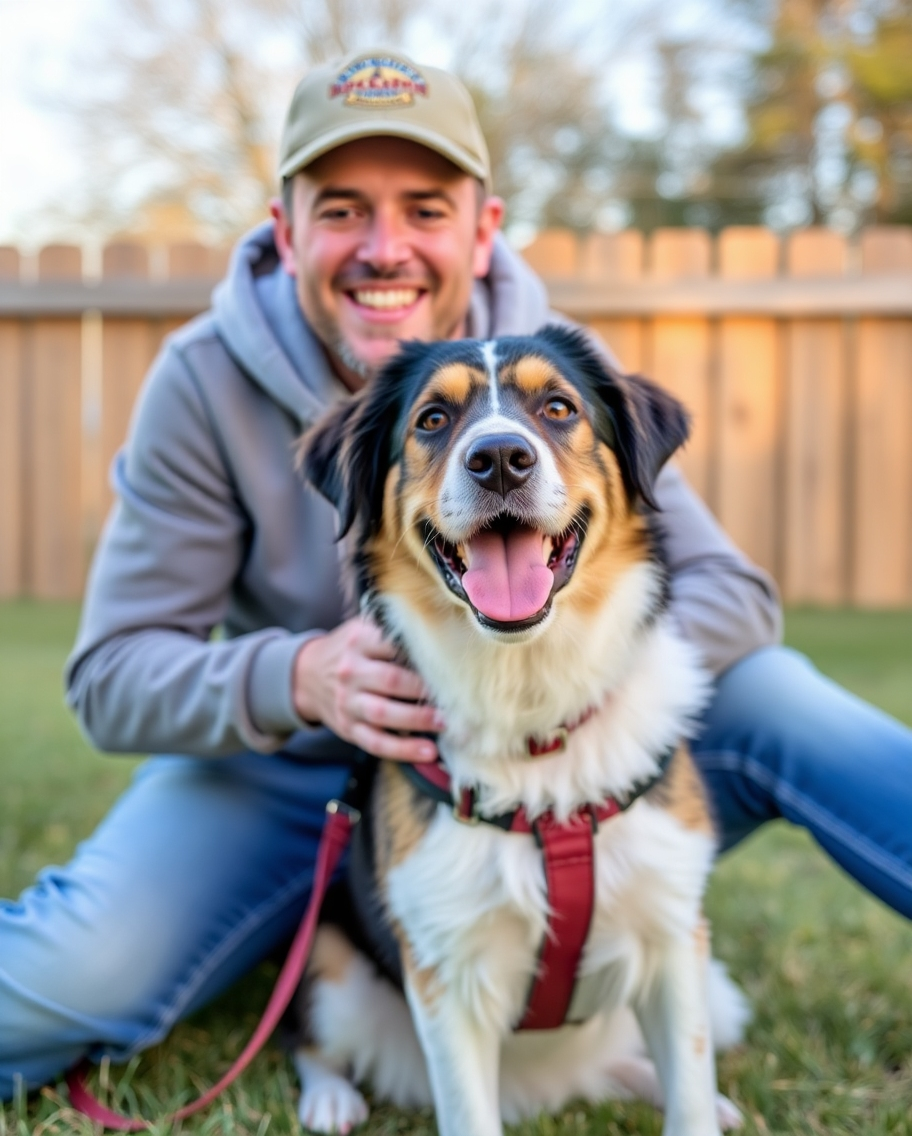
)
(385, 240)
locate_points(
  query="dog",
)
(497, 500)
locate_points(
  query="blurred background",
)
(160, 118)
(722, 189)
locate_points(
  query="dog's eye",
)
(433, 419)
(558, 409)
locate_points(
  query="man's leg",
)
(779, 739)
(198, 871)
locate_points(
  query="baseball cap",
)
(383, 92)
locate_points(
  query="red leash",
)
(337, 829)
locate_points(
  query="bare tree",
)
(183, 100)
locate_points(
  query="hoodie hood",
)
(260, 321)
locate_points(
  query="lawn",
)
(828, 969)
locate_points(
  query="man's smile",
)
(384, 304)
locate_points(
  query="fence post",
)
(882, 497)
(128, 346)
(53, 406)
(11, 449)
(747, 402)
(679, 353)
(816, 453)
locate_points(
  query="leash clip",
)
(352, 814)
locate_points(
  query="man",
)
(387, 231)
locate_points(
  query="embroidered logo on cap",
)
(379, 83)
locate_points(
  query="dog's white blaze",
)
(489, 354)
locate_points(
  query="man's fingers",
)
(372, 642)
(392, 747)
(392, 681)
(391, 714)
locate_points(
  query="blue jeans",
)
(204, 866)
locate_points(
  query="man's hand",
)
(348, 681)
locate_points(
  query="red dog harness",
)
(568, 850)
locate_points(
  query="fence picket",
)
(554, 254)
(747, 413)
(11, 372)
(54, 553)
(617, 257)
(678, 347)
(816, 452)
(882, 498)
(128, 347)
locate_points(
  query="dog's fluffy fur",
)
(467, 904)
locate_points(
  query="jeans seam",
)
(732, 762)
(187, 989)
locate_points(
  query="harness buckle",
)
(560, 738)
(464, 808)
(555, 743)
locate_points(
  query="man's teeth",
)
(386, 298)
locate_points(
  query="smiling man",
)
(387, 230)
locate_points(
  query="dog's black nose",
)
(500, 462)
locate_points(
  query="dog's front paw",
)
(332, 1106)
(728, 1114)
(329, 1103)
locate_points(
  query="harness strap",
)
(570, 875)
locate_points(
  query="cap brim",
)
(332, 138)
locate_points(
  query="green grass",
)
(828, 968)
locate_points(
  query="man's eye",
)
(558, 409)
(433, 419)
(340, 213)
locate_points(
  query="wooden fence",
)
(794, 356)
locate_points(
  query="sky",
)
(36, 161)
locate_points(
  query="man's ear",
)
(490, 216)
(640, 421)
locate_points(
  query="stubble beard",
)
(352, 362)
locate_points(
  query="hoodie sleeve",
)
(725, 605)
(145, 674)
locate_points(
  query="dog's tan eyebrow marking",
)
(533, 374)
(453, 383)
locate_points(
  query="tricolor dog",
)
(538, 895)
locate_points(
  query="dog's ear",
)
(348, 454)
(320, 458)
(640, 421)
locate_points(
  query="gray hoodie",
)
(212, 528)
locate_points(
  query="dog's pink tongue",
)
(507, 577)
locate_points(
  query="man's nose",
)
(385, 245)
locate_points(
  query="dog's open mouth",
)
(508, 571)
